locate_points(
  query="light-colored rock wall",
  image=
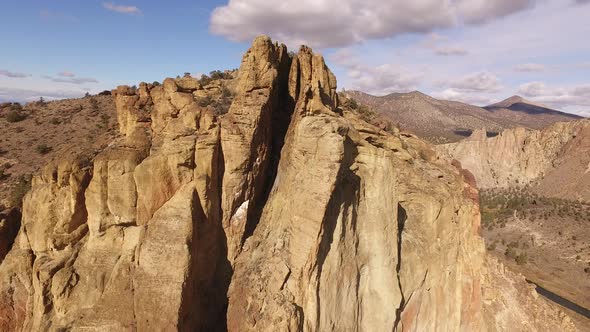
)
(357, 234)
(516, 156)
(287, 213)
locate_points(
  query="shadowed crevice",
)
(282, 108)
(344, 200)
(401, 223)
(210, 272)
(9, 226)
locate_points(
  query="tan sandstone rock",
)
(288, 213)
(514, 156)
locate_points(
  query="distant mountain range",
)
(443, 121)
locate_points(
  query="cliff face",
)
(9, 225)
(287, 213)
(556, 158)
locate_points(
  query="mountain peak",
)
(510, 101)
(516, 99)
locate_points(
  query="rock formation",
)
(9, 225)
(556, 158)
(288, 213)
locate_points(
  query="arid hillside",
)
(38, 132)
(554, 161)
(442, 121)
(545, 239)
(536, 203)
(528, 114)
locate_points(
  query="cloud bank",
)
(26, 95)
(12, 74)
(338, 23)
(558, 96)
(69, 77)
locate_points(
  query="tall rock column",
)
(247, 137)
(359, 233)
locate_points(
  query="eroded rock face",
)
(509, 301)
(361, 246)
(520, 156)
(246, 138)
(288, 213)
(9, 225)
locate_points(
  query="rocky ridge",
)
(526, 113)
(445, 121)
(555, 160)
(288, 213)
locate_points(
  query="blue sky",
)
(44, 38)
(477, 51)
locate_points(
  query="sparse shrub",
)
(510, 253)
(521, 259)
(218, 75)
(156, 83)
(54, 121)
(366, 114)
(93, 104)
(349, 102)
(214, 75)
(16, 107)
(15, 116)
(492, 247)
(513, 244)
(18, 192)
(205, 101)
(575, 238)
(204, 80)
(87, 95)
(104, 118)
(587, 269)
(43, 148)
(226, 93)
(105, 93)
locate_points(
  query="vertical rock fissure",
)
(282, 108)
(210, 273)
(401, 222)
(9, 231)
(343, 203)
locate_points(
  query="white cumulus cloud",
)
(450, 51)
(131, 10)
(12, 74)
(559, 96)
(378, 79)
(477, 82)
(337, 23)
(530, 67)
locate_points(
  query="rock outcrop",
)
(555, 158)
(288, 213)
(9, 226)
(510, 303)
